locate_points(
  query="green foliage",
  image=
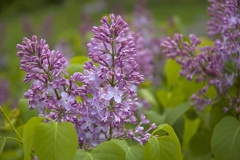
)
(177, 112)
(132, 152)
(55, 141)
(225, 141)
(104, 151)
(28, 134)
(172, 72)
(26, 113)
(200, 143)
(160, 148)
(2, 143)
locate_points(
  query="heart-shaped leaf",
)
(225, 141)
(55, 141)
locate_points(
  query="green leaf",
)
(172, 134)
(26, 113)
(72, 68)
(154, 117)
(2, 143)
(190, 128)
(146, 94)
(134, 152)
(105, 151)
(177, 112)
(160, 148)
(20, 131)
(27, 135)
(78, 60)
(55, 141)
(225, 141)
(163, 97)
(200, 143)
(216, 113)
(172, 69)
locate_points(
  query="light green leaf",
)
(172, 134)
(105, 151)
(155, 117)
(172, 69)
(20, 131)
(163, 97)
(2, 143)
(134, 152)
(72, 68)
(26, 113)
(27, 135)
(160, 148)
(190, 128)
(146, 94)
(177, 112)
(225, 141)
(55, 141)
(78, 60)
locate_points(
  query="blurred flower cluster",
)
(217, 65)
(99, 101)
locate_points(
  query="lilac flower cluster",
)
(211, 63)
(99, 101)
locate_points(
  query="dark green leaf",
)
(200, 143)
(216, 113)
(2, 143)
(225, 141)
(55, 141)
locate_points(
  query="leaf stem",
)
(10, 123)
(11, 138)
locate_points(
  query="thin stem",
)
(10, 123)
(110, 132)
(11, 138)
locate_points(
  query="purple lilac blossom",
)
(107, 91)
(112, 101)
(208, 64)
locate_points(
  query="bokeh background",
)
(66, 25)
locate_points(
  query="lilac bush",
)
(216, 65)
(99, 101)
